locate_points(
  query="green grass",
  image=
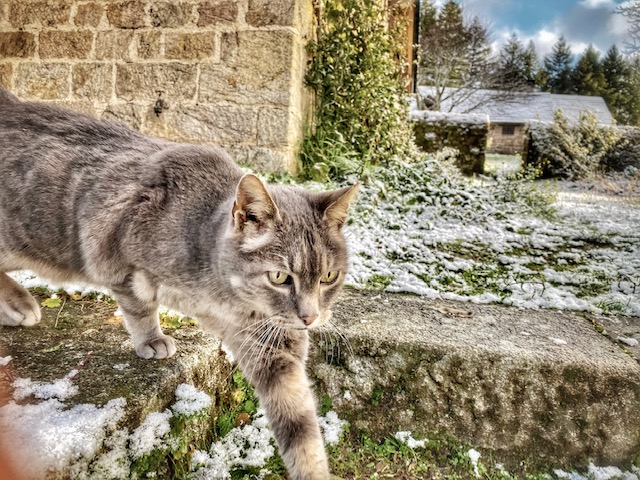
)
(495, 164)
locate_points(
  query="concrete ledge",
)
(535, 385)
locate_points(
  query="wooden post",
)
(404, 14)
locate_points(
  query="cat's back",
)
(29, 127)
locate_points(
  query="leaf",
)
(51, 349)
(51, 302)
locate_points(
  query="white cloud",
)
(592, 4)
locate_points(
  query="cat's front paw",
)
(159, 347)
(20, 311)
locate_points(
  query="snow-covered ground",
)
(585, 257)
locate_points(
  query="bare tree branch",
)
(632, 12)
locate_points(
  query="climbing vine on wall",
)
(360, 115)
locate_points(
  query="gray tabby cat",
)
(161, 222)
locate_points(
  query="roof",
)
(519, 107)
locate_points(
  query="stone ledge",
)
(535, 385)
(539, 386)
(45, 353)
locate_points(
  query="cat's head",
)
(286, 256)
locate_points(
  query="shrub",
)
(360, 116)
(625, 154)
(563, 150)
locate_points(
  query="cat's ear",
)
(253, 203)
(338, 203)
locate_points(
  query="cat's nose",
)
(308, 320)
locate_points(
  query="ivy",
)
(360, 114)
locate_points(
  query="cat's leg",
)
(141, 320)
(282, 386)
(17, 306)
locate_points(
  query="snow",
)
(4, 361)
(630, 342)
(406, 438)
(600, 473)
(331, 427)
(452, 241)
(190, 400)
(48, 437)
(83, 440)
(474, 457)
(150, 434)
(250, 446)
(61, 389)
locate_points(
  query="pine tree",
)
(531, 64)
(617, 75)
(633, 105)
(558, 68)
(511, 63)
(588, 76)
(442, 40)
(478, 53)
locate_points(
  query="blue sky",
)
(543, 21)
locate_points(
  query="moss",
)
(378, 282)
(376, 396)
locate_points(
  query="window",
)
(508, 129)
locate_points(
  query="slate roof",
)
(522, 107)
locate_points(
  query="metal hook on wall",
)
(159, 106)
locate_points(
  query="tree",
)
(455, 56)
(510, 68)
(443, 47)
(478, 51)
(517, 66)
(633, 105)
(632, 12)
(558, 68)
(588, 75)
(531, 64)
(617, 76)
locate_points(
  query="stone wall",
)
(230, 71)
(467, 133)
(505, 143)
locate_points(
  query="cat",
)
(158, 222)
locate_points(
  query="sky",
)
(544, 21)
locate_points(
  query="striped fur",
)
(165, 223)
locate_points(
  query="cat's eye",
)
(329, 277)
(279, 278)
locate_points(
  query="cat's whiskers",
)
(266, 348)
(252, 325)
(251, 350)
(254, 336)
(341, 334)
(325, 339)
(265, 324)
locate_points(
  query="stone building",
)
(508, 114)
(228, 72)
